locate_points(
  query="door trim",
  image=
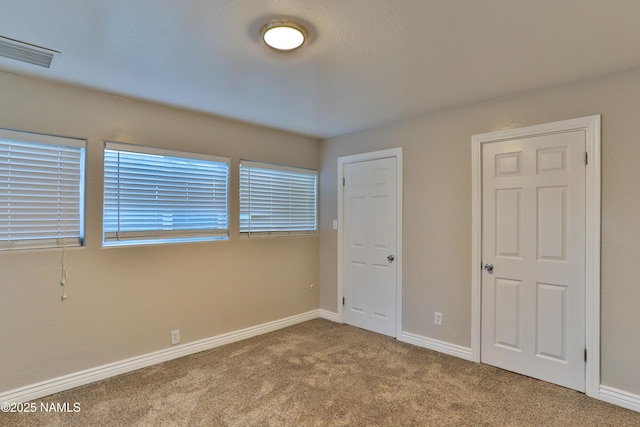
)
(591, 126)
(363, 157)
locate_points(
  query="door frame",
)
(364, 157)
(591, 127)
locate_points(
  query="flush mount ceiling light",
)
(283, 35)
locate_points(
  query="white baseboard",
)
(436, 345)
(329, 315)
(608, 394)
(620, 398)
(66, 382)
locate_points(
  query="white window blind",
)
(153, 195)
(41, 190)
(277, 200)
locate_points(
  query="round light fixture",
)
(283, 35)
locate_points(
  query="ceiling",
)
(367, 63)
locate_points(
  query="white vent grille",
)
(25, 52)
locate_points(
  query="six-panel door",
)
(369, 241)
(533, 232)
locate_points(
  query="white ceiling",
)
(368, 63)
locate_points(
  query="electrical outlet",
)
(175, 337)
(437, 318)
(335, 224)
(311, 286)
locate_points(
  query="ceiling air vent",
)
(26, 52)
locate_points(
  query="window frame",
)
(52, 241)
(114, 238)
(248, 233)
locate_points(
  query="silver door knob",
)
(390, 258)
(489, 268)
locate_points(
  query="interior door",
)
(533, 251)
(369, 245)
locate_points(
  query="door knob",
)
(390, 258)
(489, 268)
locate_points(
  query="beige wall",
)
(437, 210)
(124, 301)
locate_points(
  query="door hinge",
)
(342, 300)
(585, 354)
(586, 158)
(343, 181)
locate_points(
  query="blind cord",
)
(63, 276)
(63, 271)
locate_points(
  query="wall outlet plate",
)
(437, 318)
(175, 337)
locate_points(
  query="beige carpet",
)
(320, 373)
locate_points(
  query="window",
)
(161, 196)
(277, 200)
(41, 191)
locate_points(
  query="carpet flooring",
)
(320, 373)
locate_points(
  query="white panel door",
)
(369, 224)
(533, 234)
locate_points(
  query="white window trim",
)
(53, 242)
(143, 149)
(280, 233)
(160, 237)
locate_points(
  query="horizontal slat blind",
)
(162, 197)
(277, 200)
(41, 191)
